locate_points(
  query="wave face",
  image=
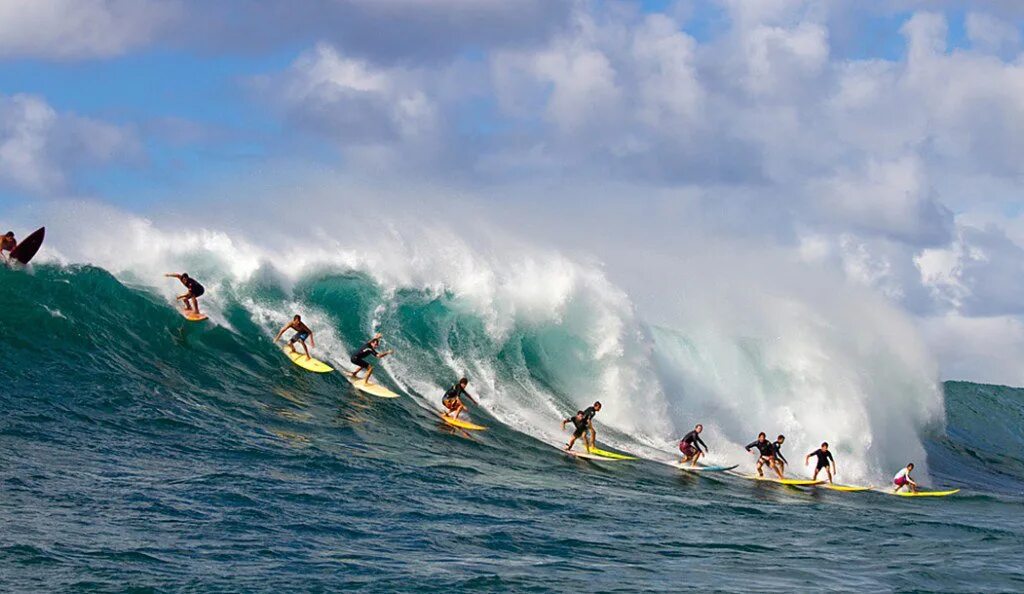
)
(143, 449)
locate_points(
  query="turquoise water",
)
(144, 452)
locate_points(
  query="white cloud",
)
(40, 148)
(78, 29)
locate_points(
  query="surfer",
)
(369, 350)
(195, 290)
(691, 444)
(302, 332)
(824, 460)
(766, 454)
(7, 244)
(780, 460)
(903, 479)
(583, 420)
(452, 399)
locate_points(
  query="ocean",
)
(142, 452)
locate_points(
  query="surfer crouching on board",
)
(195, 290)
(369, 350)
(583, 421)
(452, 399)
(825, 462)
(7, 244)
(780, 460)
(903, 479)
(766, 454)
(690, 446)
(302, 332)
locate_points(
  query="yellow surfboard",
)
(192, 316)
(462, 424)
(926, 493)
(787, 482)
(587, 456)
(372, 389)
(846, 488)
(607, 454)
(307, 363)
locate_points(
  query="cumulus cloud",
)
(77, 29)
(40, 148)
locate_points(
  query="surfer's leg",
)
(305, 348)
(195, 304)
(184, 299)
(369, 372)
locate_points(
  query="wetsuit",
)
(691, 443)
(581, 420)
(777, 451)
(766, 448)
(302, 332)
(359, 358)
(194, 288)
(450, 400)
(824, 458)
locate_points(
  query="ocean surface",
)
(141, 452)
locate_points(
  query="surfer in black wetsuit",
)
(369, 350)
(452, 399)
(780, 460)
(824, 459)
(766, 453)
(195, 290)
(302, 332)
(583, 421)
(691, 444)
(7, 244)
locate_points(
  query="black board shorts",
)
(359, 362)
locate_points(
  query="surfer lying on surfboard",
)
(369, 350)
(452, 399)
(7, 244)
(766, 454)
(903, 479)
(302, 332)
(824, 460)
(195, 290)
(690, 446)
(583, 420)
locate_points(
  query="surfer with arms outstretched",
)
(766, 454)
(195, 290)
(369, 350)
(452, 399)
(302, 332)
(583, 421)
(903, 479)
(825, 462)
(690, 446)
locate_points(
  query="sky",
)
(879, 139)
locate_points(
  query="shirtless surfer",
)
(302, 332)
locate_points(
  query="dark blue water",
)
(141, 452)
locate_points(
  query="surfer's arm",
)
(283, 330)
(701, 442)
(312, 342)
(173, 275)
(751, 445)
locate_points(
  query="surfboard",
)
(462, 424)
(192, 316)
(846, 488)
(307, 363)
(372, 389)
(607, 454)
(28, 247)
(587, 456)
(926, 493)
(688, 468)
(787, 482)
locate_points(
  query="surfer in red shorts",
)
(903, 479)
(690, 446)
